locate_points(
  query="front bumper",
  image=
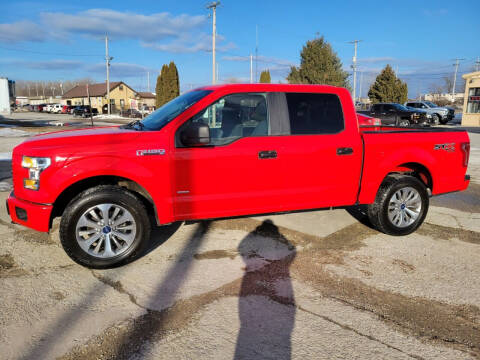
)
(32, 215)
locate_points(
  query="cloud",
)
(122, 25)
(159, 31)
(121, 70)
(53, 65)
(191, 44)
(21, 31)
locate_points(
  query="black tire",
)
(100, 195)
(444, 120)
(436, 119)
(379, 210)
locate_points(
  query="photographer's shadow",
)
(266, 300)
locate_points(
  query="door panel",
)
(228, 180)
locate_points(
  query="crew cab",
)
(227, 151)
(396, 114)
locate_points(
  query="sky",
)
(58, 40)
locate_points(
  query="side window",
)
(314, 113)
(235, 116)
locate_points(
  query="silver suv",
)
(440, 114)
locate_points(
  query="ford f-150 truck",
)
(227, 151)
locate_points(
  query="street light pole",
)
(213, 6)
(354, 67)
(108, 59)
(457, 62)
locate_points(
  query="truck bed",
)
(437, 151)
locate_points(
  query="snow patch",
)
(8, 132)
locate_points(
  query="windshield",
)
(162, 116)
(431, 104)
(400, 107)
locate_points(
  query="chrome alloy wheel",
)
(404, 207)
(105, 230)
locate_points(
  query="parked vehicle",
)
(365, 120)
(84, 111)
(442, 114)
(56, 108)
(395, 114)
(66, 109)
(425, 115)
(131, 113)
(223, 151)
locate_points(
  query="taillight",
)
(466, 153)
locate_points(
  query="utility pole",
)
(361, 80)
(457, 61)
(213, 6)
(354, 67)
(148, 81)
(107, 60)
(477, 64)
(251, 69)
(256, 53)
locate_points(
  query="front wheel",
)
(104, 226)
(400, 206)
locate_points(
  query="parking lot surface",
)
(320, 285)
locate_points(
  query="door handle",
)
(269, 154)
(344, 151)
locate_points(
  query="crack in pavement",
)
(349, 328)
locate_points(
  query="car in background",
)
(56, 108)
(131, 113)
(84, 111)
(67, 109)
(395, 114)
(440, 114)
(366, 120)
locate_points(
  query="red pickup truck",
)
(226, 151)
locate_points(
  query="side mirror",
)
(195, 134)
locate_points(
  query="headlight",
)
(35, 166)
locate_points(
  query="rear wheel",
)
(400, 206)
(104, 226)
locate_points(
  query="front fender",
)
(139, 170)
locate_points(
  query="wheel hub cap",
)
(105, 230)
(404, 207)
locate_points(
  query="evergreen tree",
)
(173, 87)
(319, 64)
(160, 87)
(265, 77)
(388, 88)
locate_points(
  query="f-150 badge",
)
(450, 147)
(151, 152)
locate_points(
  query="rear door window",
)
(314, 113)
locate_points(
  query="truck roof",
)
(270, 87)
